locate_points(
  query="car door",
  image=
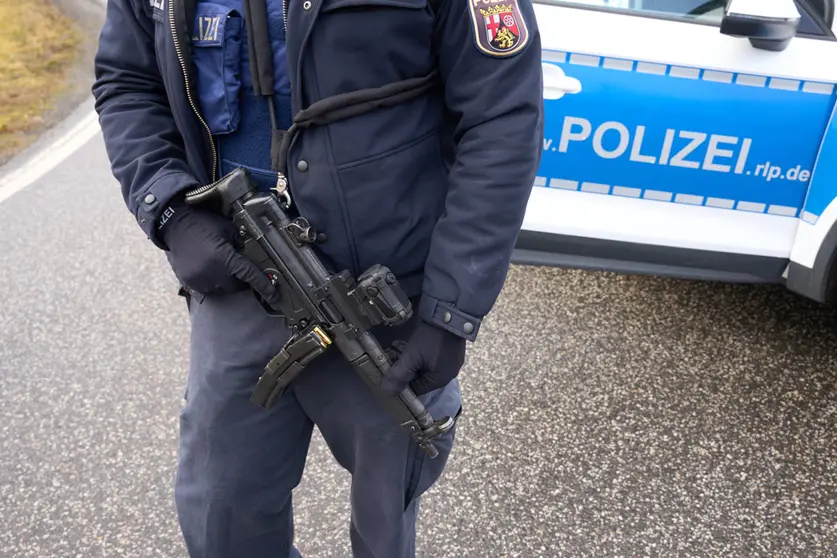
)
(670, 147)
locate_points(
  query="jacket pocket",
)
(216, 38)
(402, 193)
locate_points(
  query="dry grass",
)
(38, 45)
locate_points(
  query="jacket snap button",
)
(306, 5)
(447, 317)
(468, 328)
(149, 199)
(302, 166)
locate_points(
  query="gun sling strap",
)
(325, 111)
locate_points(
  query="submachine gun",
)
(321, 308)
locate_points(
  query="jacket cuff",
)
(151, 202)
(446, 316)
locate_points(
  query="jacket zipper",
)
(285, 17)
(206, 187)
(281, 181)
(188, 90)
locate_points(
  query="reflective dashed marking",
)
(751, 206)
(554, 56)
(753, 81)
(679, 198)
(685, 72)
(809, 217)
(688, 198)
(819, 88)
(595, 188)
(720, 202)
(584, 60)
(782, 210)
(618, 64)
(626, 191)
(688, 73)
(563, 184)
(657, 195)
(649, 68)
(784, 84)
(720, 77)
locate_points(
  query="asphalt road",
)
(605, 416)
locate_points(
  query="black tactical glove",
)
(430, 360)
(203, 256)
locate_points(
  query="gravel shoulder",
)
(88, 16)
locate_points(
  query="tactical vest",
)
(244, 91)
(238, 115)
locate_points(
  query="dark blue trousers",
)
(239, 463)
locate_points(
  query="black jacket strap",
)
(346, 105)
(258, 44)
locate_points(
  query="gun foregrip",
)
(406, 407)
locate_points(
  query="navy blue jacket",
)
(435, 188)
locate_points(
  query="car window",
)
(707, 11)
(819, 9)
(823, 9)
(710, 11)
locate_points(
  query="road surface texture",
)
(605, 416)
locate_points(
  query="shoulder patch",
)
(499, 27)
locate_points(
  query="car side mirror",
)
(768, 24)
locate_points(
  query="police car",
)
(689, 138)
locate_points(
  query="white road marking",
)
(50, 157)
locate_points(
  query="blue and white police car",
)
(689, 138)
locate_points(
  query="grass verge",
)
(39, 45)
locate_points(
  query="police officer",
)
(431, 178)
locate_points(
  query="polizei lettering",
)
(679, 148)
